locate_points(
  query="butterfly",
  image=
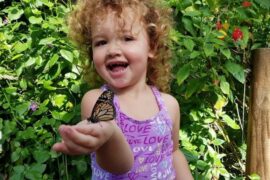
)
(104, 109)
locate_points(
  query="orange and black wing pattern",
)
(104, 109)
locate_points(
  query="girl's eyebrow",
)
(98, 35)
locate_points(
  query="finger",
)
(61, 147)
(87, 129)
(74, 138)
(83, 122)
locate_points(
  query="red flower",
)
(237, 34)
(246, 4)
(218, 25)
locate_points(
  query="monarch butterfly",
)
(104, 109)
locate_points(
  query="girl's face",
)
(120, 49)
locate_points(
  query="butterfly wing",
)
(104, 109)
(106, 96)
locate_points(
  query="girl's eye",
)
(100, 43)
(128, 38)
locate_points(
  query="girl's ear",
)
(151, 54)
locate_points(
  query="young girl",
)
(127, 44)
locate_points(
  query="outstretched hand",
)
(84, 138)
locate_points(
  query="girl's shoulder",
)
(91, 95)
(169, 100)
(171, 104)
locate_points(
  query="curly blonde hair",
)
(157, 22)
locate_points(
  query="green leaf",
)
(254, 176)
(58, 71)
(218, 142)
(81, 165)
(51, 62)
(220, 103)
(18, 173)
(226, 53)
(47, 85)
(225, 87)
(230, 122)
(58, 100)
(208, 50)
(245, 31)
(213, 4)
(20, 47)
(264, 4)
(14, 13)
(46, 41)
(236, 70)
(62, 115)
(35, 20)
(22, 108)
(183, 73)
(224, 172)
(70, 75)
(47, 3)
(189, 44)
(201, 165)
(23, 84)
(41, 156)
(30, 62)
(11, 90)
(194, 54)
(193, 86)
(15, 155)
(35, 171)
(42, 108)
(188, 24)
(67, 55)
(75, 88)
(29, 133)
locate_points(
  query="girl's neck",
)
(133, 91)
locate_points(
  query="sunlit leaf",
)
(183, 73)
(14, 13)
(225, 87)
(35, 20)
(67, 55)
(45, 41)
(236, 70)
(230, 122)
(189, 44)
(220, 103)
(30, 62)
(58, 100)
(226, 53)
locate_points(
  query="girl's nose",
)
(114, 49)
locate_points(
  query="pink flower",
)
(237, 34)
(246, 4)
(33, 106)
(5, 21)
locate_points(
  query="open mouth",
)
(117, 66)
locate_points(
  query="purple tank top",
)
(150, 141)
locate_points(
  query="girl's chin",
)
(118, 84)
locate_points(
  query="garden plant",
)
(41, 85)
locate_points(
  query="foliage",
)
(41, 85)
(212, 42)
(40, 89)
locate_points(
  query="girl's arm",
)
(179, 161)
(105, 138)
